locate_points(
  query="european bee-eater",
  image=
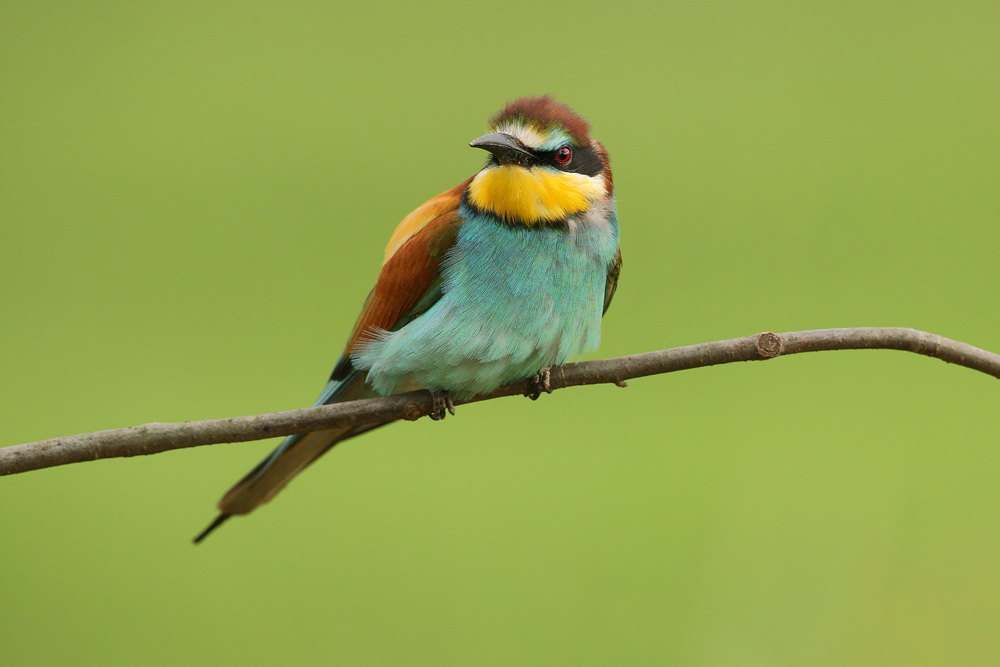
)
(491, 282)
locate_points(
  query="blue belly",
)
(514, 300)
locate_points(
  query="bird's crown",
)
(542, 123)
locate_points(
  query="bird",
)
(494, 281)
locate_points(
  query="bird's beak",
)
(505, 147)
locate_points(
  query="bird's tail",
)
(291, 457)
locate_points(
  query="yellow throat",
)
(533, 195)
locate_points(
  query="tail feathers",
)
(290, 458)
(272, 474)
(269, 477)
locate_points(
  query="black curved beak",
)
(505, 147)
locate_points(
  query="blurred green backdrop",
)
(194, 198)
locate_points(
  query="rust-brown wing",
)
(410, 280)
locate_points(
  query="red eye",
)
(564, 155)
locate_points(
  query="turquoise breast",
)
(514, 300)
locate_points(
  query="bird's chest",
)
(541, 282)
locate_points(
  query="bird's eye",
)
(564, 155)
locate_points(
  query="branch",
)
(156, 437)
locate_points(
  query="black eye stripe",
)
(583, 161)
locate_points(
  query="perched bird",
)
(491, 282)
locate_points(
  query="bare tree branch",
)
(157, 437)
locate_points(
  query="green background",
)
(194, 199)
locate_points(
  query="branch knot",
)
(768, 345)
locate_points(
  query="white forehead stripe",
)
(534, 137)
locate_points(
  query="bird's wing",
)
(612, 282)
(409, 284)
(410, 280)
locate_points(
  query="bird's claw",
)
(539, 382)
(442, 405)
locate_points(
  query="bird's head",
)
(543, 168)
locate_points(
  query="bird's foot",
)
(539, 382)
(442, 405)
